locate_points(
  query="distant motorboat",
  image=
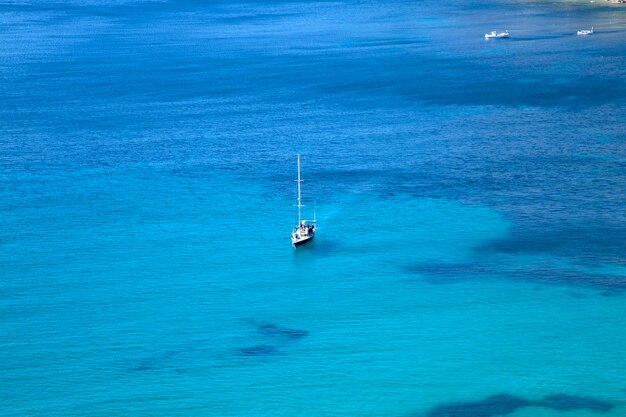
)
(585, 32)
(497, 35)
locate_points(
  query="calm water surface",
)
(471, 251)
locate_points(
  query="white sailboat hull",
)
(301, 240)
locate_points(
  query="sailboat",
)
(303, 232)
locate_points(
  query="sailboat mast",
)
(299, 181)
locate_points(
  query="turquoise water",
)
(470, 254)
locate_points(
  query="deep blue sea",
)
(470, 195)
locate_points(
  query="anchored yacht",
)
(303, 232)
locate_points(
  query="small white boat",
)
(497, 35)
(585, 32)
(302, 233)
